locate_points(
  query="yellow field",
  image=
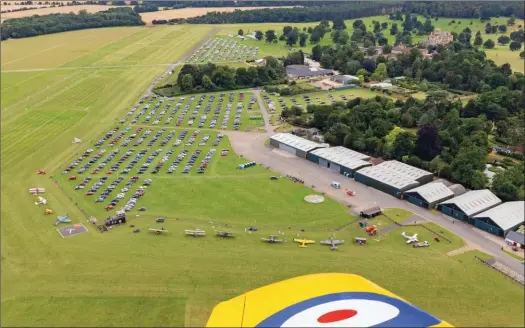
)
(55, 10)
(191, 12)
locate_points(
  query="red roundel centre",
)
(337, 315)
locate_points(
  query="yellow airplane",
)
(303, 242)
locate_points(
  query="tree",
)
(207, 83)
(393, 29)
(502, 28)
(489, 44)
(428, 143)
(380, 72)
(522, 54)
(508, 184)
(469, 160)
(387, 49)
(488, 28)
(270, 36)
(503, 39)
(512, 20)
(287, 29)
(382, 41)
(259, 35)
(343, 37)
(317, 52)
(339, 24)
(315, 37)
(515, 46)
(427, 27)
(302, 39)
(240, 32)
(384, 25)
(414, 161)
(291, 38)
(187, 83)
(478, 41)
(404, 144)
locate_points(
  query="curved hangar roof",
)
(343, 156)
(474, 202)
(325, 299)
(433, 192)
(507, 215)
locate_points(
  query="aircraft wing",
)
(298, 240)
(309, 241)
(331, 291)
(337, 242)
(414, 236)
(325, 242)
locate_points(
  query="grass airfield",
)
(124, 279)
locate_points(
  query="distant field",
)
(193, 12)
(55, 10)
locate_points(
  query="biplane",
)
(195, 233)
(224, 234)
(271, 240)
(48, 212)
(332, 242)
(304, 242)
(158, 231)
(40, 172)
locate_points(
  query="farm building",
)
(381, 85)
(345, 79)
(294, 145)
(457, 189)
(501, 219)
(339, 159)
(428, 195)
(419, 175)
(385, 180)
(302, 71)
(469, 204)
(515, 238)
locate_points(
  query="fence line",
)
(498, 270)
(418, 225)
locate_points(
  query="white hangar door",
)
(323, 162)
(289, 149)
(335, 167)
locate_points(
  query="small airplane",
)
(158, 231)
(332, 242)
(195, 233)
(76, 140)
(62, 219)
(39, 172)
(410, 239)
(224, 234)
(41, 200)
(271, 240)
(48, 212)
(304, 242)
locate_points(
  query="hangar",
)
(501, 219)
(339, 159)
(294, 145)
(464, 207)
(428, 195)
(303, 71)
(385, 180)
(419, 175)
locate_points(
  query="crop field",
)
(58, 87)
(53, 10)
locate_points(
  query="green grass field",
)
(124, 279)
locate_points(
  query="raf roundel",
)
(350, 309)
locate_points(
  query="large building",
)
(385, 180)
(501, 219)
(294, 145)
(428, 195)
(464, 207)
(410, 171)
(339, 159)
(345, 79)
(303, 71)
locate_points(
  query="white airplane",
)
(195, 233)
(410, 239)
(76, 140)
(41, 200)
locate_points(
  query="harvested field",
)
(192, 12)
(54, 10)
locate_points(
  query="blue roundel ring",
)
(409, 315)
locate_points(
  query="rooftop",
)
(507, 215)
(297, 142)
(432, 192)
(303, 70)
(388, 177)
(341, 155)
(404, 169)
(517, 237)
(474, 202)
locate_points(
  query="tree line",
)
(452, 147)
(466, 9)
(17, 28)
(211, 77)
(292, 15)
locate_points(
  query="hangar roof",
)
(388, 177)
(474, 202)
(507, 215)
(433, 192)
(404, 169)
(343, 156)
(297, 142)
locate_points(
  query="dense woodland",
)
(55, 23)
(211, 77)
